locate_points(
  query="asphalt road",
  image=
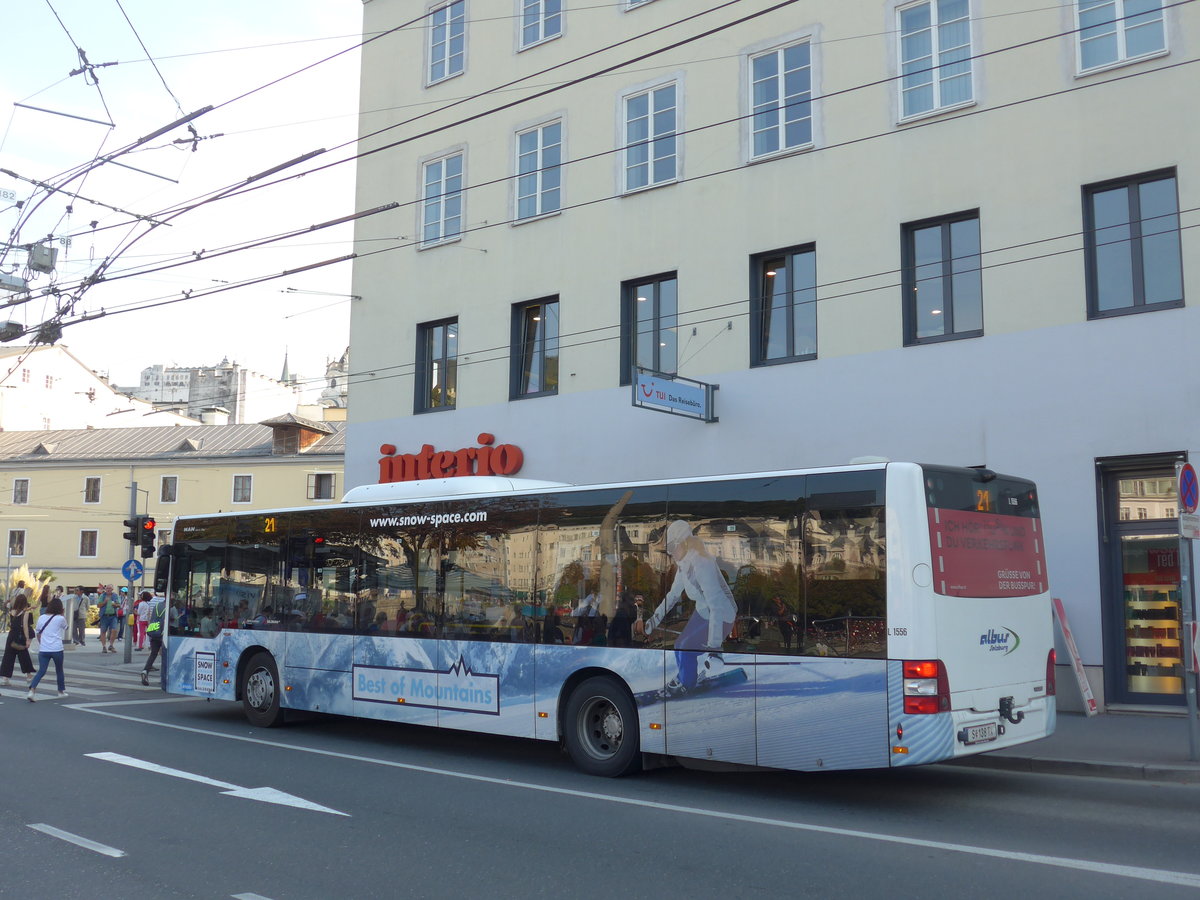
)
(181, 798)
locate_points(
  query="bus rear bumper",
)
(921, 739)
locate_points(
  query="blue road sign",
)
(132, 570)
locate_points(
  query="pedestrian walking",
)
(154, 630)
(51, 626)
(82, 605)
(123, 614)
(143, 618)
(16, 646)
(110, 610)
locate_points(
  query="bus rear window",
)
(984, 534)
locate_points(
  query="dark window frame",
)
(426, 361)
(1139, 304)
(542, 347)
(758, 306)
(909, 281)
(629, 334)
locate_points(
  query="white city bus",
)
(885, 614)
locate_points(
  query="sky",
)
(172, 59)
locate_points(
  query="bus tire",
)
(260, 691)
(601, 728)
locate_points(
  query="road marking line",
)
(262, 794)
(77, 840)
(164, 699)
(1162, 876)
(249, 897)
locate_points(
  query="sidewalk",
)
(1143, 746)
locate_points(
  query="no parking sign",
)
(1189, 494)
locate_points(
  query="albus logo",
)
(1003, 641)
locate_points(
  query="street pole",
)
(133, 493)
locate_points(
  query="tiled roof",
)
(166, 442)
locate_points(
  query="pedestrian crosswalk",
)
(83, 683)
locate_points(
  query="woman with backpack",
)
(16, 646)
(51, 626)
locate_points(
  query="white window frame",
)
(234, 490)
(162, 489)
(635, 4)
(313, 481)
(23, 498)
(935, 64)
(99, 489)
(778, 46)
(431, 45)
(538, 9)
(649, 89)
(538, 174)
(1123, 57)
(95, 547)
(13, 554)
(441, 198)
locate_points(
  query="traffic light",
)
(148, 535)
(133, 532)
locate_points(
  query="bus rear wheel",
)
(601, 728)
(260, 691)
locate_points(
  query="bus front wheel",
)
(601, 728)
(260, 691)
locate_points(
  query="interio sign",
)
(502, 459)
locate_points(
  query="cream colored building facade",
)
(942, 230)
(64, 495)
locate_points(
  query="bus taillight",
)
(1051, 686)
(926, 687)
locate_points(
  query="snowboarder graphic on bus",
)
(697, 649)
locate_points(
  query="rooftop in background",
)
(170, 442)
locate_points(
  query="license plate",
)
(979, 734)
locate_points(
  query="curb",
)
(1043, 765)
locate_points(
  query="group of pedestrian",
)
(52, 627)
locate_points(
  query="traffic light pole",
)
(133, 548)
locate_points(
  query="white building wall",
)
(1044, 393)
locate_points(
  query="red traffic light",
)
(148, 524)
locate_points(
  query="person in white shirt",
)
(699, 576)
(50, 628)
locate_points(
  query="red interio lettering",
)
(502, 459)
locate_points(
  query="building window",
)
(633, 4)
(321, 485)
(650, 140)
(649, 326)
(943, 287)
(442, 200)
(88, 542)
(783, 306)
(91, 490)
(437, 365)
(243, 488)
(781, 100)
(539, 171)
(534, 349)
(447, 40)
(541, 20)
(935, 56)
(1131, 245)
(1116, 31)
(16, 542)
(169, 491)
(20, 491)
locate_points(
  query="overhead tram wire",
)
(977, 112)
(850, 89)
(825, 148)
